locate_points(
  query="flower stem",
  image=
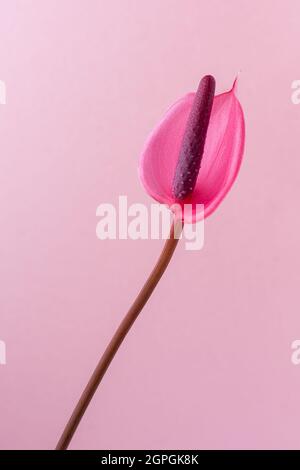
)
(120, 334)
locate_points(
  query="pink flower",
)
(191, 158)
(162, 162)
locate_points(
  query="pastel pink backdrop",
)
(207, 364)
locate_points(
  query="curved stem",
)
(120, 334)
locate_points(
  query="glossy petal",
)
(221, 159)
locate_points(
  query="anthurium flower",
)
(191, 159)
(220, 159)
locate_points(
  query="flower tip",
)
(209, 79)
(235, 83)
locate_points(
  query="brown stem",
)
(119, 336)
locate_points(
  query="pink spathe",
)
(208, 363)
(223, 151)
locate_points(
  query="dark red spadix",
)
(192, 147)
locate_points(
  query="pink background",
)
(208, 363)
